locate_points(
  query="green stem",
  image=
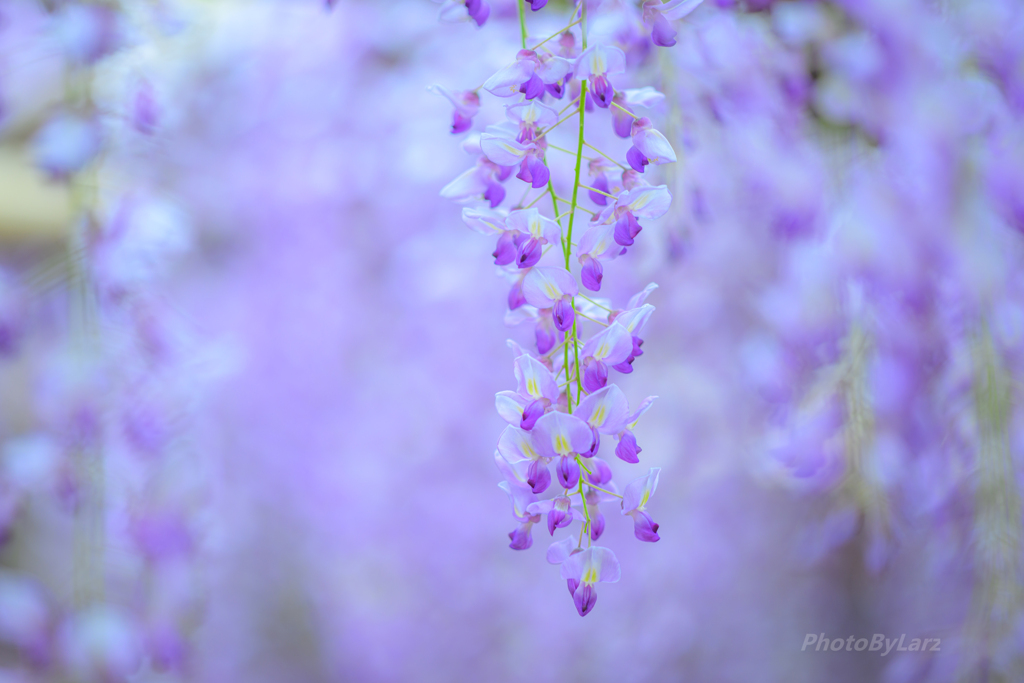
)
(522, 21)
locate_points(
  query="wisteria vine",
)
(563, 402)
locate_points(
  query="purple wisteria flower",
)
(659, 15)
(584, 570)
(634, 503)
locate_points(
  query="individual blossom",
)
(642, 201)
(598, 168)
(559, 511)
(623, 113)
(584, 570)
(502, 146)
(515, 446)
(521, 497)
(538, 384)
(634, 503)
(597, 244)
(480, 183)
(634, 320)
(563, 436)
(610, 347)
(453, 11)
(627, 449)
(554, 289)
(534, 232)
(658, 15)
(649, 146)
(596, 63)
(466, 104)
(530, 73)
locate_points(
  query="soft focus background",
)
(249, 354)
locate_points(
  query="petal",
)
(640, 297)
(655, 146)
(600, 59)
(532, 413)
(568, 471)
(646, 201)
(543, 286)
(558, 433)
(553, 69)
(563, 315)
(612, 345)
(643, 97)
(534, 379)
(530, 221)
(635, 319)
(636, 159)
(484, 221)
(644, 528)
(521, 498)
(584, 598)
(626, 449)
(502, 150)
(516, 445)
(644, 405)
(677, 9)
(538, 476)
(662, 33)
(599, 242)
(521, 536)
(640, 490)
(605, 409)
(559, 551)
(600, 472)
(591, 273)
(532, 113)
(506, 82)
(470, 184)
(595, 376)
(510, 406)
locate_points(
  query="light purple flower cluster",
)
(563, 403)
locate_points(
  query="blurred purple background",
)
(249, 353)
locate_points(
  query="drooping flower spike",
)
(563, 403)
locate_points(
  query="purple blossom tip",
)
(478, 10)
(591, 273)
(584, 598)
(538, 476)
(662, 33)
(627, 449)
(531, 413)
(568, 472)
(521, 537)
(597, 526)
(636, 159)
(595, 376)
(563, 315)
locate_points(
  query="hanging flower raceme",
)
(563, 403)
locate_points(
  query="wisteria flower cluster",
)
(565, 399)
